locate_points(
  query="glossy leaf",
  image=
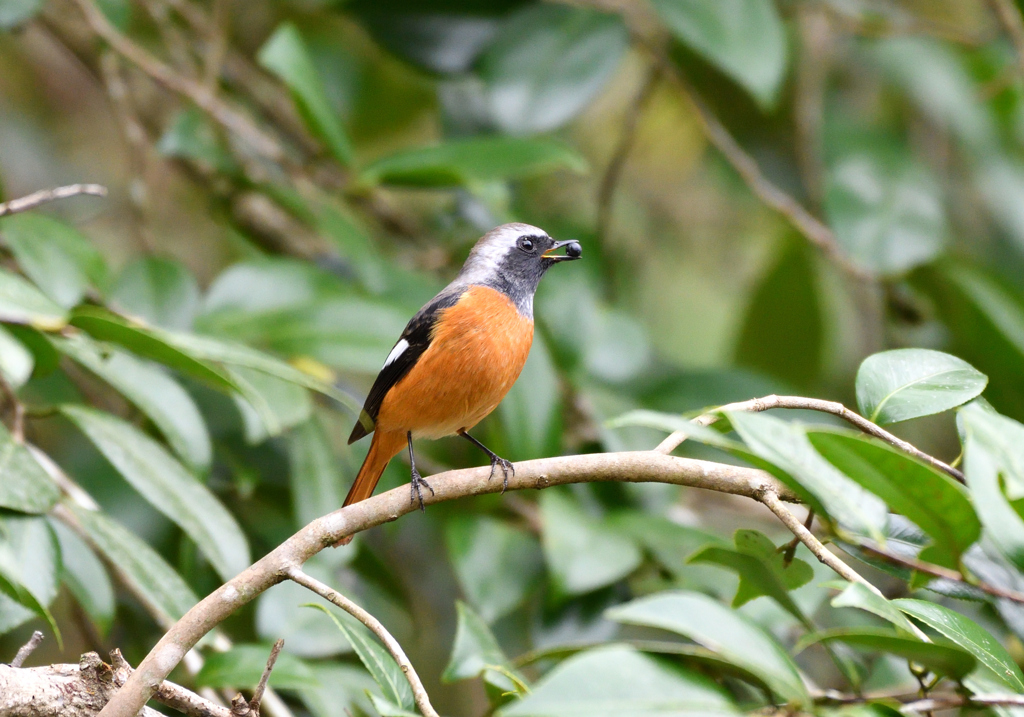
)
(969, 635)
(466, 162)
(22, 303)
(476, 652)
(547, 63)
(16, 361)
(745, 39)
(86, 577)
(25, 487)
(786, 446)
(316, 481)
(153, 580)
(761, 571)
(285, 54)
(728, 633)
(29, 571)
(887, 212)
(159, 290)
(242, 666)
(55, 256)
(942, 659)
(378, 662)
(496, 565)
(168, 486)
(938, 504)
(581, 554)
(1003, 438)
(152, 391)
(616, 680)
(901, 384)
(1003, 524)
(860, 596)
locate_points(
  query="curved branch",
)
(419, 692)
(813, 404)
(43, 196)
(635, 467)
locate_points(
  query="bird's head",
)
(513, 257)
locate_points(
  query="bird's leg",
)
(417, 479)
(496, 460)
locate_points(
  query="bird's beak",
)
(572, 251)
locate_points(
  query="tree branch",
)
(637, 467)
(27, 649)
(813, 404)
(49, 195)
(419, 692)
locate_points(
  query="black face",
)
(523, 266)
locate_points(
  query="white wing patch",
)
(399, 349)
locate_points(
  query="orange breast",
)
(476, 353)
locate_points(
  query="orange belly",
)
(476, 353)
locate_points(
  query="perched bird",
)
(459, 355)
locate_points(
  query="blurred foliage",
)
(190, 351)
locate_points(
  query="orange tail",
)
(383, 448)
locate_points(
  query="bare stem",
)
(169, 693)
(812, 404)
(49, 195)
(418, 691)
(27, 649)
(257, 695)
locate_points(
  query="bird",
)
(459, 355)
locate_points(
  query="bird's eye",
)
(526, 244)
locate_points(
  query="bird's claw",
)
(506, 467)
(416, 490)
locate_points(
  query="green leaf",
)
(941, 659)
(582, 554)
(466, 162)
(85, 577)
(29, 570)
(17, 12)
(939, 505)
(22, 303)
(153, 581)
(55, 256)
(386, 709)
(353, 243)
(531, 411)
(313, 472)
(341, 690)
(886, 211)
(761, 571)
(745, 39)
(731, 635)
(269, 405)
(243, 665)
(160, 290)
(476, 652)
(619, 681)
(168, 486)
(860, 596)
(285, 55)
(786, 446)
(671, 544)
(25, 487)
(152, 391)
(969, 635)
(496, 565)
(901, 384)
(671, 422)
(16, 361)
(143, 340)
(377, 661)
(1004, 440)
(546, 65)
(191, 135)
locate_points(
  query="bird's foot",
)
(416, 486)
(506, 468)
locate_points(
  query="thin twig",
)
(610, 180)
(944, 702)
(257, 695)
(1013, 23)
(49, 195)
(766, 403)
(11, 397)
(789, 549)
(939, 572)
(27, 649)
(227, 116)
(419, 693)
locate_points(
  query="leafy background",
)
(190, 349)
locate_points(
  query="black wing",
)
(418, 335)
